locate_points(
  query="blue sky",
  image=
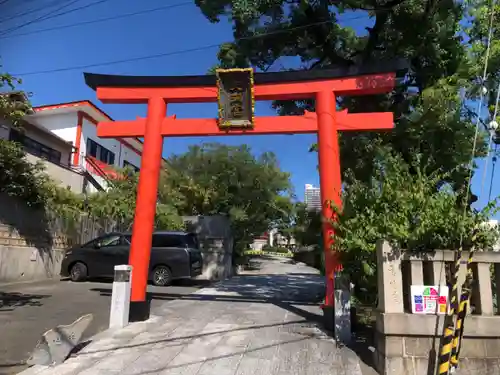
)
(178, 28)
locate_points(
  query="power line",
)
(179, 52)
(34, 10)
(38, 19)
(49, 16)
(126, 15)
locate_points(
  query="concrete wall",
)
(29, 247)
(32, 245)
(409, 343)
(64, 176)
(216, 243)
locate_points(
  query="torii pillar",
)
(156, 92)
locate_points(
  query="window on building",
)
(130, 165)
(99, 152)
(35, 148)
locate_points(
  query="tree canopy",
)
(408, 185)
(431, 112)
(216, 179)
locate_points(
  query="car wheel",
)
(78, 272)
(162, 276)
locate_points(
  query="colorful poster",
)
(426, 299)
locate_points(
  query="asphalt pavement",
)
(27, 310)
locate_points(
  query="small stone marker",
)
(56, 344)
(120, 297)
(343, 333)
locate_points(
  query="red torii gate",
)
(323, 85)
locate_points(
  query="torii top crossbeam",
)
(269, 86)
(157, 92)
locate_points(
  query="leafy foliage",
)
(19, 177)
(119, 201)
(431, 114)
(13, 104)
(215, 179)
(307, 226)
(401, 204)
(407, 185)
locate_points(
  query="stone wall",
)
(32, 244)
(216, 244)
(409, 343)
(29, 247)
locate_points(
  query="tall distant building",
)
(312, 198)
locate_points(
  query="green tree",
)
(431, 115)
(13, 106)
(401, 204)
(119, 200)
(307, 226)
(20, 178)
(216, 179)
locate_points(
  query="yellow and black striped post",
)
(449, 324)
(462, 310)
(453, 333)
(459, 329)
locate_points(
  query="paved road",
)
(28, 310)
(258, 323)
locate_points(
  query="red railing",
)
(101, 169)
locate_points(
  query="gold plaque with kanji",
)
(235, 98)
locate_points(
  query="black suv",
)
(174, 255)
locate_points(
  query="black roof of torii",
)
(107, 80)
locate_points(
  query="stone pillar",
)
(342, 310)
(120, 297)
(389, 278)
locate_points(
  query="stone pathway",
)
(263, 322)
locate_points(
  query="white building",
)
(76, 123)
(64, 137)
(312, 197)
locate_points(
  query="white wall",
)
(62, 125)
(131, 157)
(65, 177)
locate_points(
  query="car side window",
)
(165, 240)
(113, 240)
(127, 239)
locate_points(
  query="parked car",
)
(174, 255)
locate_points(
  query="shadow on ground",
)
(299, 293)
(180, 341)
(9, 301)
